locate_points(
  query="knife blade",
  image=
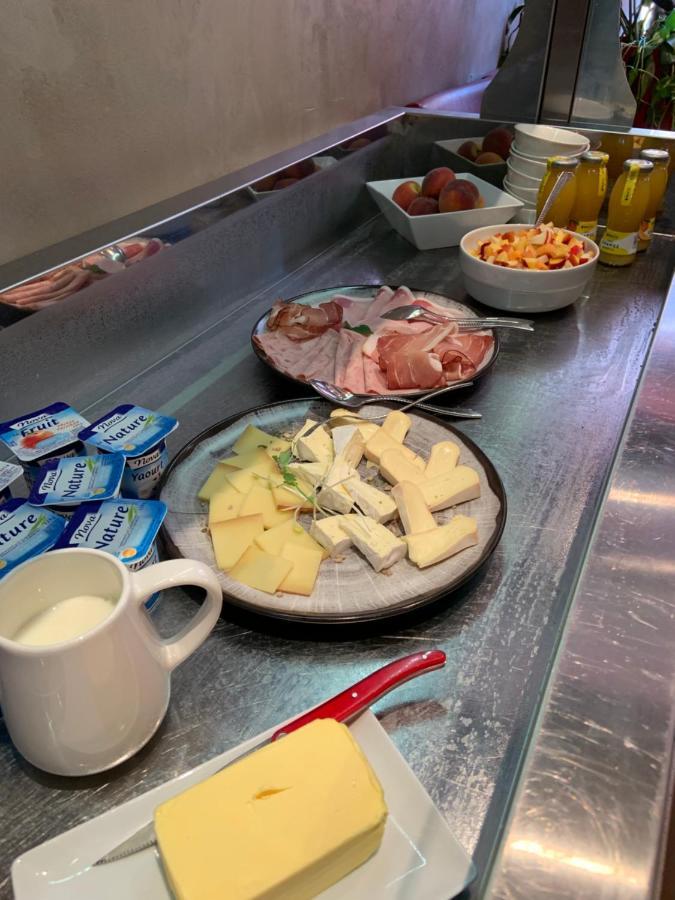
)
(343, 707)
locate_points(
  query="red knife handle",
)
(348, 704)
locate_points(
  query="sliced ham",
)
(375, 379)
(321, 362)
(372, 311)
(354, 376)
(406, 329)
(302, 323)
(462, 354)
(414, 369)
(347, 340)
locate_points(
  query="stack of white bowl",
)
(526, 166)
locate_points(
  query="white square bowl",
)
(443, 229)
(492, 172)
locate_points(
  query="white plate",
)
(419, 857)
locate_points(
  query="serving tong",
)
(414, 313)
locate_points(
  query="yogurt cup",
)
(124, 528)
(9, 472)
(67, 482)
(26, 531)
(139, 434)
(48, 433)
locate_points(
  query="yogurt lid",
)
(128, 429)
(78, 479)
(26, 531)
(8, 474)
(42, 432)
(124, 528)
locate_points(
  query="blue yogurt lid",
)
(128, 429)
(8, 474)
(26, 531)
(125, 528)
(78, 479)
(42, 432)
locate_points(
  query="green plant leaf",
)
(361, 329)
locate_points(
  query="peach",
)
(435, 181)
(469, 150)
(284, 183)
(265, 184)
(457, 195)
(486, 159)
(498, 141)
(405, 193)
(299, 169)
(423, 206)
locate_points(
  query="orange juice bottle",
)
(657, 188)
(619, 146)
(591, 179)
(559, 214)
(627, 206)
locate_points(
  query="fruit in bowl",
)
(423, 206)
(435, 181)
(543, 248)
(440, 192)
(494, 149)
(405, 193)
(459, 194)
(469, 150)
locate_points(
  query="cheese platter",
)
(312, 514)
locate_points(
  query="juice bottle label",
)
(647, 229)
(629, 186)
(602, 181)
(619, 243)
(588, 228)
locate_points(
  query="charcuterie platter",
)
(339, 335)
(380, 568)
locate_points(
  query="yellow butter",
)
(231, 538)
(303, 575)
(260, 570)
(284, 823)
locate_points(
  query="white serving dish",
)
(546, 140)
(519, 179)
(542, 159)
(492, 172)
(443, 229)
(525, 216)
(521, 290)
(321, 162)
(535, 168)
(527, 195)
(419, 857)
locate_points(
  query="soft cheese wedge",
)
(459, 486)
(379, 546)
(306, 562)
(367, 429)
(315, 447)
(276, 538)
(230, 539)
(216, 480)
(287, 498)
(252, 438)
(260, 500)
(284, 823)
(260, 570)
(395, 467)
(334, 494)
(429, 547)
(371, 500)
(397, 424)
(330, 533)
(382, 441)
(225, 504)
(443, 458)
(348, 444)
(412, 508)
(309, 472)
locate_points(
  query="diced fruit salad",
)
(543, 248)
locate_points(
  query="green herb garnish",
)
(361, 329)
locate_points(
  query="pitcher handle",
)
(176, 573)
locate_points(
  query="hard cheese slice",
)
(260, 500)
(230, 539)
(284, 823)
(216, 480)
(412, 507)
(260, 570)
(397, 424)
(443, 458)
(458, 486)
(225, 504)
(272, 541)
(306, 562)
(429, 547)
(253, 437)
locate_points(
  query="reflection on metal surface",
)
(567, 37)
(593, 801)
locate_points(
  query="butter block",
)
(260, 500)
(382, 441)
(273, 540)
(459, 486)
(231, 538)
(216, 480)
(253, 437)
(412, 507)
(284, 823)
(371, 500)
(379, 546)
(443, 458)
(395, 467)
(429, 547)
(225, 504)
(303, 575)
(260, 570)
(316, 447)
(330, 533)
(397, 424)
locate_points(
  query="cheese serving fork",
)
(414, 313)
(343, 707)
(349, 400)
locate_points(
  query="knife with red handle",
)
(343, 707)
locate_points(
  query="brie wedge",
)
(412, 508)
(443, 458)
(459, 486)
(330, 533)
(429, 547)
(379, 546)
(395, 467)
(397, 424)
(348, 444)
(371, 500)
(316, 447)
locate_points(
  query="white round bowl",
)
(520, 179)
(526, 215)
(535, 168)
(545, 140)
(521, 290)
(527, 195)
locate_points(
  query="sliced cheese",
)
(412, 508)
(244, 479)
(429, 547)
(379, 546)
(333, 493)
(287, 498)
(302, 577)
(330, 533)
(273, 540)
(231, 538)
(258, 456)
(443, 458)
(224, 504)
(367, 429)
(395, 467)
(260, 500)
(260, 570)
(253, 437)
(459, 486)
(371, 501)
(397, 424)
(382, 441)
(285, 822)
(311, 473)
(348, 444)
(216, 480)
(315, 447)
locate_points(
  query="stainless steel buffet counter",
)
(497, 761)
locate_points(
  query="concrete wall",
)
(108, 107)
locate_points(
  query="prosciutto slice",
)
(414, 369)
(461, 354)
(302, 323)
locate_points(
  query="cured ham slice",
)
(406, 329)
(302, 323)
(314, 358)
(414, 369)
(347, 340)
(375, 379)
(461, 354)
(354, 376)
(376, 306)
